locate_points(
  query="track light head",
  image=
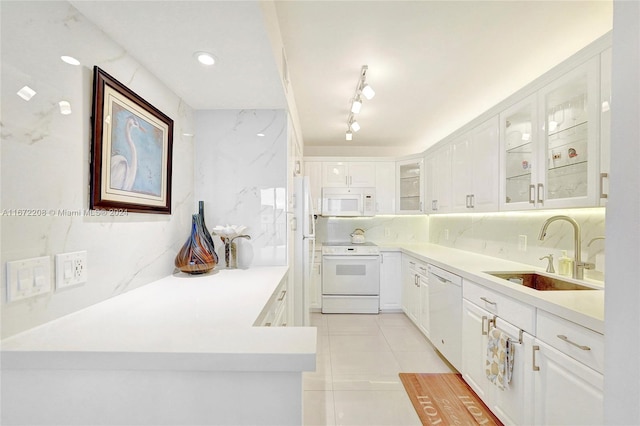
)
(349, 135)
(367, 91)
(356, 105)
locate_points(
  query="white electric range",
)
(350, 278)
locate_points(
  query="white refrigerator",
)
(304, 246)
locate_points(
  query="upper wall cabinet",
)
(386, 187)
(549, 144)
(475, 169)
(344, 174)
(437, 170)
(605, 125)
(409, 189)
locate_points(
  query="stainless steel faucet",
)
(578, 265)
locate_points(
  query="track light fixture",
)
(362, 89)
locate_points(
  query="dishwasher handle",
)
(444, 276)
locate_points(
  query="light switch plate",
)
(71, 269)
(28, 278)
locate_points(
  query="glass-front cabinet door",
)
(570, 110)
(518, 137)
(409, 187)
(549, 144)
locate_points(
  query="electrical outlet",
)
(71, 269)
(522, 243)
(387, 232)
(28, 278)
(446, 235)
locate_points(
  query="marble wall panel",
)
(242, 178)
(45, 162)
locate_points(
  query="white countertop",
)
(181, 322)
(580, 306)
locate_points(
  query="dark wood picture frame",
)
(131, 150)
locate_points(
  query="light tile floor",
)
(358, 360)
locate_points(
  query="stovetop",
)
(347, 243)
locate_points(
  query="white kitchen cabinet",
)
(341, 174)
(390, 281)
(315, 290)
(313, 169)
(549, 143)
(277, 309)
(437, 170)
(424, 323)
(605, 125)
(511, 405)
(566, 391)
(385, 187)
(558, 364)
(410, 186)
(411, 287)
(475, 169)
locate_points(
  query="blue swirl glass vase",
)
(197, 255)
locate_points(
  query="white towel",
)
(499, 362)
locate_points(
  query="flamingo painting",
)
(123, 170)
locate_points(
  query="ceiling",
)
(435, 65)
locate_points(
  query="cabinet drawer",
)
(580, 343)
(517, 313)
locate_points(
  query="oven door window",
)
(351, 275)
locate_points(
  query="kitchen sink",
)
(539, 282)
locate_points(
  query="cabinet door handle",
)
(566, 339)
(472, 201)
(532, 194)
(281, 298)
(488, 301)
(603, 176)
(484, 332)
(541, 194)
(535, 367)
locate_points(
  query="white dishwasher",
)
(445, 313)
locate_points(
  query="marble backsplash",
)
(493, 234)
(379, 229)
(502, 234)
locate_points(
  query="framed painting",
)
(131, 150)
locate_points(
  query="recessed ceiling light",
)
(70, 60)
(26, 93)
(205, 58)
(260, 135)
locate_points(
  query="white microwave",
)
(348, 201)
